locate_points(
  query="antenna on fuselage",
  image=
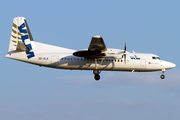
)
(135, 54)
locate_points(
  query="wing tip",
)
(97, 36)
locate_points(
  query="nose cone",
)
(168, 65)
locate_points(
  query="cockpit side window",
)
(158, 58)
(154, 58)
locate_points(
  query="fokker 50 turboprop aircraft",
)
(97, 57)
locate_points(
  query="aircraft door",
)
(143, 63)
(54, 59)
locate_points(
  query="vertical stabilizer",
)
(21, 38)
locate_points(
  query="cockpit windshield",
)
(154, 58)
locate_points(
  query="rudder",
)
(21, 38)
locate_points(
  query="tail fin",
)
(21, 38)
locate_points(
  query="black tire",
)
(162, 76)
(97, 77)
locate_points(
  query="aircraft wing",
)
(95, 50)
(97, 44)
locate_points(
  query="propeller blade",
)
(125, 48)
(125, 53)
(125, 58)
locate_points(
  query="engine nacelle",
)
(114, 55)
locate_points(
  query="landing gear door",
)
(143, 63)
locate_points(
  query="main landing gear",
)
(96, 71)
(163, 76)
(96, 74)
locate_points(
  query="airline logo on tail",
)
(17, 39)
(20, 34)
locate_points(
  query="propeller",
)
(124, 53)
(125, 47)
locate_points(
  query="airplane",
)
(97, 57)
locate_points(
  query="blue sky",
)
(32, 92)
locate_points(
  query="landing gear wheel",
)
(162, 76)
(97, 77)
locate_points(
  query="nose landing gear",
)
(163, 76)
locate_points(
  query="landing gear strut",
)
(163, 76)
(96, 73)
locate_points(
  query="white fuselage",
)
(97, 57)
(62, 58)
